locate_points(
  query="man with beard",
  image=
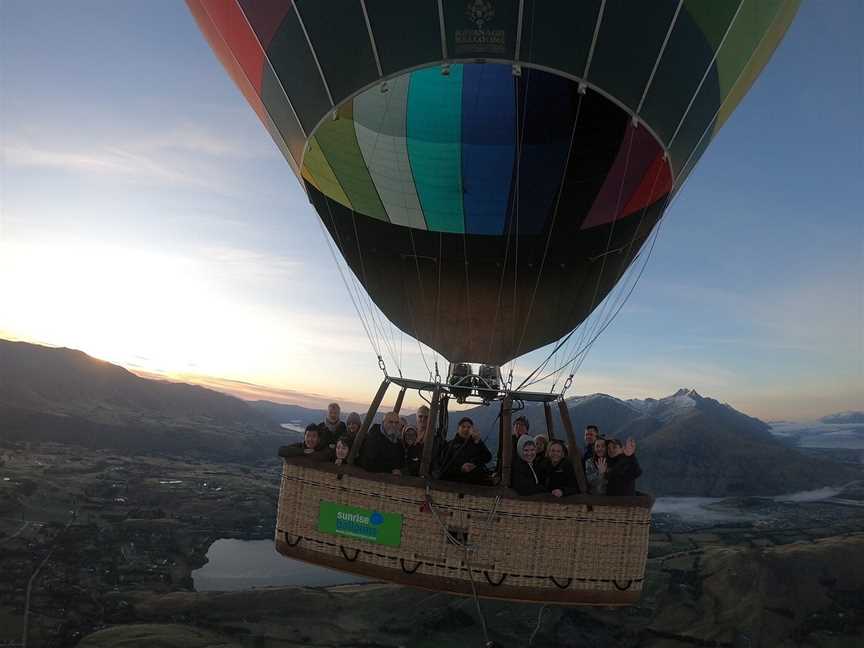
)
(382, 449)
(332, 427)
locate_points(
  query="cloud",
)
(253, 391)
(23, 155)
(113, 162)
(196, 139)
(250, 263)
(822, 316)
(182, 155)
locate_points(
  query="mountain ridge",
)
(61, 394)
(687, 444)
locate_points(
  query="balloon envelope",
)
(488, 209)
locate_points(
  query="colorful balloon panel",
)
(453, 148)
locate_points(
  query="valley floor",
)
(117, 538)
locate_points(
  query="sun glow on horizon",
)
(163, 314)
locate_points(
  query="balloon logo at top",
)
(480, 12)
(481, 39)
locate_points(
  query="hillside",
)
(687, 444)
(49, 394)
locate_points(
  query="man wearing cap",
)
(465, 456)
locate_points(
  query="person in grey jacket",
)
(596, 469)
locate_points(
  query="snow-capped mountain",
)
(668, 407)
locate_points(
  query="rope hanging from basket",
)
(468, 547)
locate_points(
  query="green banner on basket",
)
(353, 522)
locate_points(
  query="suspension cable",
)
(608, 239)
(585, 348)
(422, 297)
(360, 314)
(618, 282)
(552, 223)
(468, 548)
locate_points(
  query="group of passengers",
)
(539, 465)
(543, 466)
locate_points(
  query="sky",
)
(147, 218)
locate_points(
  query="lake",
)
(242, 564)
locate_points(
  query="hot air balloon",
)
(488, 170)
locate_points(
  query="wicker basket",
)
(579, 550)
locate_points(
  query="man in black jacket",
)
(464, 458)
(623, 468)
(592, 433)
(309, 447)
(413, 452)
(528, 476)
(560, 477)
(382, 450)
(332, 427)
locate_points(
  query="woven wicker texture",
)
(527, 543)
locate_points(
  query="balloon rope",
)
(360, 314)
(684, 168)
(519, 139)
(483, 70)
(438, 297)
(711, 121)
(647, 87)
(552, 223)
(618, 285)
(674, 192)
(385, 331)
(708, 70)
(583, 350)
(608, 240)
(422, 299)
(378, 326)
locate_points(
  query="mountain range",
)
(64, 395)
(687, 444)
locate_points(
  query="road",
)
(17, 533)
(35, 574)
